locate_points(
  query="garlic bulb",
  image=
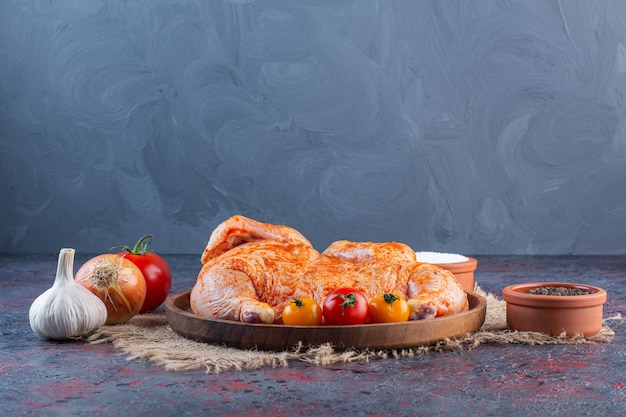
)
(67, 310)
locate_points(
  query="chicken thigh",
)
(251, 270)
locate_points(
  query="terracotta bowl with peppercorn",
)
(555, 308)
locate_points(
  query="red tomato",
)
(345, 306)
(155, 271)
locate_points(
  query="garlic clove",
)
(67, 309)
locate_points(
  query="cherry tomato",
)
(302, 312)
(345, 306)
(155, 271)
(388, 308)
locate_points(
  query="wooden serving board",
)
(279, 337)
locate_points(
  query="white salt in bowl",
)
(461, 266)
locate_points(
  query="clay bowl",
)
(554, 314)
(463, 271)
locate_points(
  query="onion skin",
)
(118, 282)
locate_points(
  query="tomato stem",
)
(348, 301)
(141, 247)
(390, 298)
(298, 302)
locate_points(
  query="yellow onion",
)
(118, 282)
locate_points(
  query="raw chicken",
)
(251, 270)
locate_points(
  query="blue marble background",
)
(476, 127)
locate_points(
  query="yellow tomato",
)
(388, 308)
(302, 312)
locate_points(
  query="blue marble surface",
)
(483, 127)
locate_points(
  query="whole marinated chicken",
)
(251, 270)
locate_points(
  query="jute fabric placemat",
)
(149, 336)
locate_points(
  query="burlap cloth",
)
(149, 336)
